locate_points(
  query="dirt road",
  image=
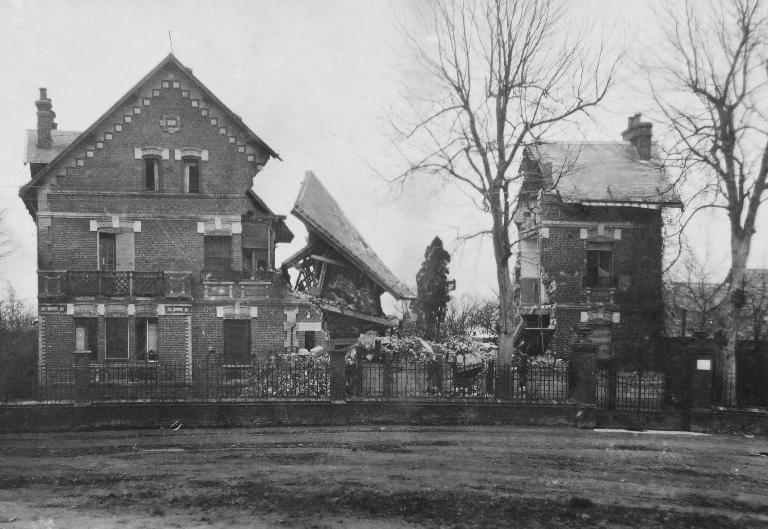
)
(382, 477)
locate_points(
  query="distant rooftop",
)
(61, 139)
(604, 172)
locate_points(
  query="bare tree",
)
(696, 298)
(500, 75)
(756, 291)
(715, 104)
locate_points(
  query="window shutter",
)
(124, 250)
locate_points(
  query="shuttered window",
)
(237, 341)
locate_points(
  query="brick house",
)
(151, 244)
(589, 217)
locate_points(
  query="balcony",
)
(62, 284)
(240, 284)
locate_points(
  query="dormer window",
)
(191, 175)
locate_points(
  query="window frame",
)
(143, 353)
(157, 173)
(217, 273)
(90, 325)
(595, 257)
(187, 163)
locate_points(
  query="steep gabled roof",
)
(317, 209)
(607, 172)
(130, 95)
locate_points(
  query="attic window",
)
(191, 174)
(151, 172)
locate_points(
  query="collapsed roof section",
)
(323, 217)
(337, 266)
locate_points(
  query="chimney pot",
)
(43, 94)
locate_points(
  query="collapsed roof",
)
(323, 217)
(603, 172)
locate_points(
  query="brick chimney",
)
(639, 135)
(45, 117)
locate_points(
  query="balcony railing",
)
(112, 283)
(239, 284)
(591, 281)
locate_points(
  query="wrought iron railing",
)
(112, 283)
(206, 380)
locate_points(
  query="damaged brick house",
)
(589, 217)
(339, 271)
(151, 244)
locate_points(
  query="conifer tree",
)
(433, 288)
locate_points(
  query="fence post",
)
(583, 367)
(338, 378)
(387, 374)
(82, 391)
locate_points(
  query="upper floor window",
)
(116, 251)
(218, 258)
(191, 175)
(599, 271)
(255, 263)
(151, 173)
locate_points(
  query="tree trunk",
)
(507, 318)
(726, 365)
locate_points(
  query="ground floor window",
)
(86, 335)
(309, 339)
(146, 339)
(237, 341)
(117, 338)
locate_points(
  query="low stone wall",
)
(749, 422)
(72, 417)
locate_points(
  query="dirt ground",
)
(382, 477)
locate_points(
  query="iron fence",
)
(747, 390)
(449, 379)
(161, 381)
(636, 391)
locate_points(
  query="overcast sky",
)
(317, 80)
